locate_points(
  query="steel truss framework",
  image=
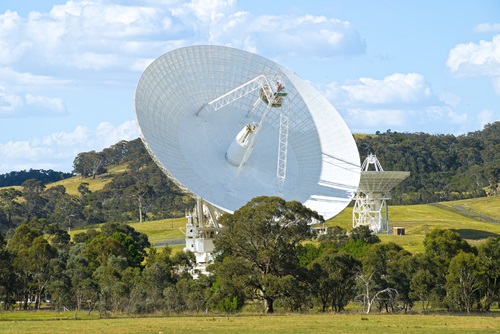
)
(275, 97)
(370, 206)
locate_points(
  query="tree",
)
(8, 199)
(113, 291)
(422, 286)
(8, 277)
(263, 235)
(89, 164)
(385, 266)
(332, 280)
(32, 193)
(84, 191)
(441, 245)
(139, 192)
(99, 249)
(489, 257)
(464, 282)
(370, 292)
(140, 240)
(336, 235)
(364, 233)
(67, 212)
(39, 256)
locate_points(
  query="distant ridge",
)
(45, 176)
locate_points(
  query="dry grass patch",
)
(71, 184)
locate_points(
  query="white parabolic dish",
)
(323, 168)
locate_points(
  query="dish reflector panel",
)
(189, 137)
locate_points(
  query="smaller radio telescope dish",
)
(228, 125)
(370, 206)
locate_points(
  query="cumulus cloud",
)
(220, 22)
(101, 43)
(398, 89)
(58, 150)
(398, 100)
(93, 29)
(26, 105)
(24, 80)
(475, 59)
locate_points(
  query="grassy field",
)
(290, 323)
(158, 231)
(416, 219)
(71, 184)
(161, 230)
(420, 219)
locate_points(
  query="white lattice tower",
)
(370, 206)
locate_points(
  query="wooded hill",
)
(113, 268)
(122, 183)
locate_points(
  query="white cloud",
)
(79, 27)
(398, 100)
(307, 36)
(9, 102)
(487, 27)
(11, 47)
(397, 89)
(112, 40)
(58, 150)
(45, 103)
(12, 78)
(471, 59)
(13, 104)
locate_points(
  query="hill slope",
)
(422, 218)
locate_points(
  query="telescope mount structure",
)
(370, 206)
(227, 125)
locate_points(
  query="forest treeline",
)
(44, 175)
(265, 261)
(442, 167)
(141, 190)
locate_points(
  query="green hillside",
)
(420, 219)
(416, 219)
(71, 184)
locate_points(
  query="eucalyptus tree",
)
(332, 278)
(386, 276)
(464, 282)
(441, 245)
(489, 257)
(9, 200)
(263, 236)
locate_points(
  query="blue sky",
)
(68, 69)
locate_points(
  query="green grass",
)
(156, 230)
(249, 324)
(416, 219)
(420, 219)
(488, 206)
(164, 229)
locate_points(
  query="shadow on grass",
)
(474, 234)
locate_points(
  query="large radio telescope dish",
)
(191, 104)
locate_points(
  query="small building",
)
(398, 230)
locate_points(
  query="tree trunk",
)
(139, 199)
(268, 304)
